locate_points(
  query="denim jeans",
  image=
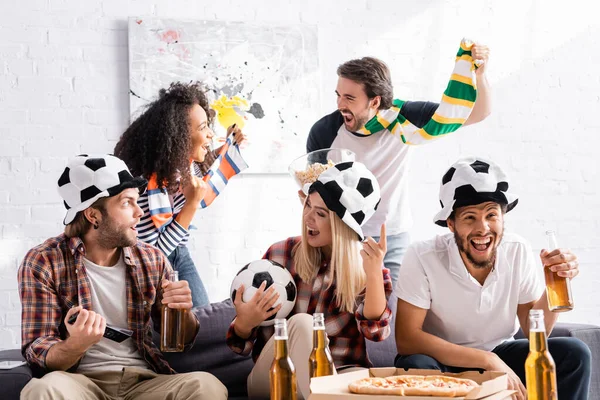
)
(182, 262)
(572, 357)
(396, 248)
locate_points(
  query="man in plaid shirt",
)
(99, 274)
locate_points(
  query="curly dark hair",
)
(374, 74)
(158, 141)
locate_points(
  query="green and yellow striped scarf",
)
(454, 109)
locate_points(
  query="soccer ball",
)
(254, 273)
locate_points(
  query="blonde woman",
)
(337, 273)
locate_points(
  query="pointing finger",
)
(383, 238)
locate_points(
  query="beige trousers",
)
(130, 383)
(300, 345)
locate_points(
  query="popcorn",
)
(313, 171)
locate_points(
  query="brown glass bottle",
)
(171, 325)
(320, 362)
(540, 370)
(558, 288)
(282, 375)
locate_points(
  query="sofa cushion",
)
(210, 353)
(382, 354)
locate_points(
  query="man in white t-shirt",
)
(364, 88)
(460, 295)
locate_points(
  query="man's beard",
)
(111, 236)
(489, 263)
(357, 122)
(360, 122)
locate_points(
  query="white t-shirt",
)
(109, 299)
(461, 310)
(385, 155)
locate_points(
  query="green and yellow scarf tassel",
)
(454, 109)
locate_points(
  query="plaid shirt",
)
(52, 279)
(346, 331)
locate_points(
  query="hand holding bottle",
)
(559, 266)
(177, 294)
(561, 261)
(176, 299)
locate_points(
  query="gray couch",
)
(211, 354)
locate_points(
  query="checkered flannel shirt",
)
(346, 331)
(52, 279)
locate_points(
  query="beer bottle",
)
(171, 325)
(320, 362)
(540, 370)
(282, 375)
(558, 288)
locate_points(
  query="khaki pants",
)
(130, 383)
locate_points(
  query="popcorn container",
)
(307, 168)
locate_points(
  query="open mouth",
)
(348, 117)
(482, 244)
(312, 232)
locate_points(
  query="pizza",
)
(414, 385)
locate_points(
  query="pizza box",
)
(335, 387)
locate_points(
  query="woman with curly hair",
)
(167, 144)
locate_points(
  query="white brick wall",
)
(63, 90)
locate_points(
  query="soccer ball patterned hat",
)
(88, 178)
(351, 191)
(471, 181)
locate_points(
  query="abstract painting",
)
(262, 77)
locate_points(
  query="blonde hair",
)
(345, 267)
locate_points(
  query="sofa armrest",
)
(12, 381)
(590, 335)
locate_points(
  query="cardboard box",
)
(335, 387)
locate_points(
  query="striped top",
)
(172, 234)
(158, 225)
